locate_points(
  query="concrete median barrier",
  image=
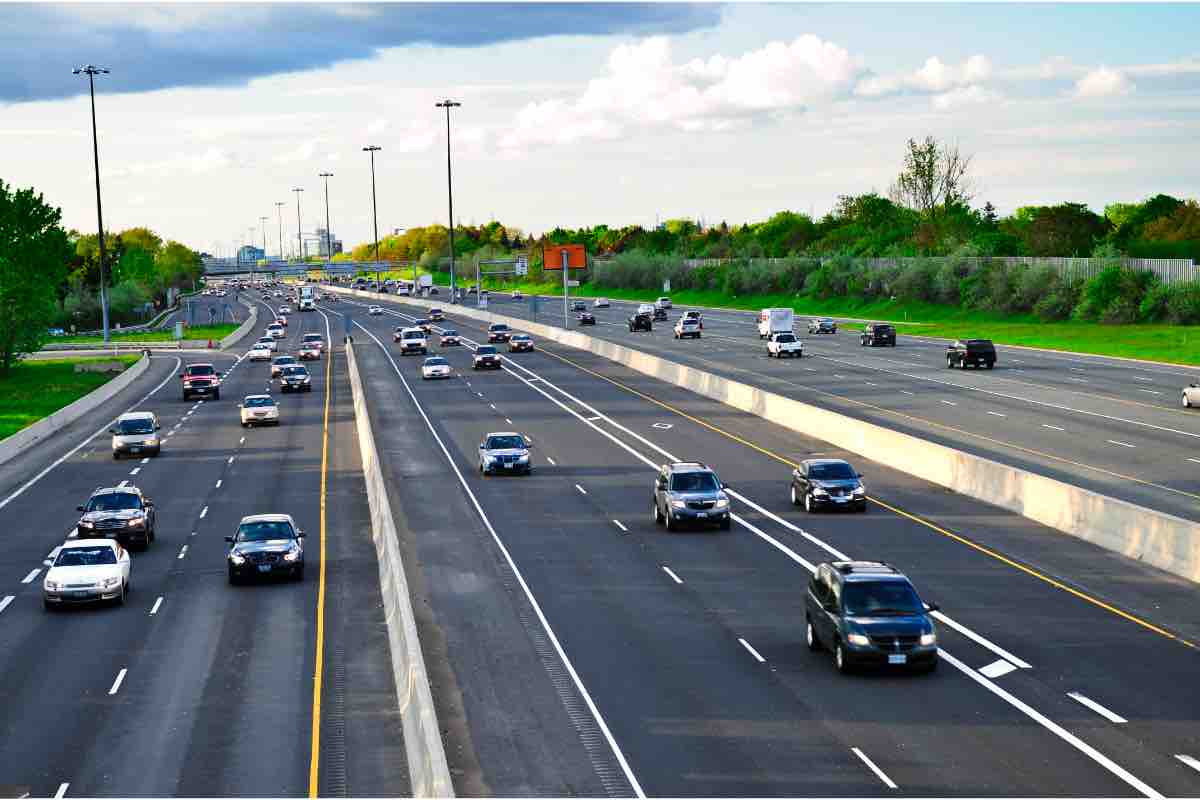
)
(427, 767)
(1153, 537)
(243, 330)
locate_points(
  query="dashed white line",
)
(905, 391)
(553, 463)
(117, 683)
(219, 482)
(997, 668)
(997, 414)
(678, 579)
(7, 599)
(146, 460)
(62, 791)
(838, 376)
(581, 489)
(1195, 460)
(1078, 380)
(135, 470)
(242, 440)
(1149, 391)
(122, 484)
(1191, 762)
(1120, 444)
(1144, 380)
(1052, 427)
(751, 650)
(1099, 709)
(204, 512)
(230, 461)
(493, 406)
(617, 522)
(594, 419)
(871, 766)
(29, 578)
(509, 421)
(170, 434)
(157, 605)
(947, 402)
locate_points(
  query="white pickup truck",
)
(785, 345)
(412, 340)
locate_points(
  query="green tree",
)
(33, 255)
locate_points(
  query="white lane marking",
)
(871, 384)
(997, 668)
(537, 609)
(997, 414)
(117, 683)
(871, 766)
(509, 421)
(1121, 444)
(674, 577)
(1076, 369)
(122, 484)
(979, 640)
(947, 402)
(219, 481)
(1149, 391)
(552, 461)
(1197, 460)
(157, 605)
(7, 599)
(617, 522)
(838, 376)
(581, 489)
(1099, 709)
(1053, 727)
(1138, 378)
(1078, 380)
(905, 391)
(1191, 762)
(204, 512)
(135, 470)
(170, 434)
(29, 578)
(242, 440)
(752, 651)
(230, 461)
(62, 791)
(1052, 427)
(493, 406)
(146, 460)
(594, 419)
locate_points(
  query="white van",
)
(775, 320)
(136, 434)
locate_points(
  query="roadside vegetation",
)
(196, 332)
(34, 390)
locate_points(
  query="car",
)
(375, 311)
(285, 310)
(785, 345)
(281, 320)
(268, 342)
(265, 545)
(878, 333)
(450, 338)
(313, 338)
(435, 367)
(600, 302)
(822, 325)
(486, 357)
(586, 318)
(412, 340)
(689, 492)
(517, 295)
(309, 351)
(975, 352)
(520, 342)
(578, 305)
(276, 331)
(331, 298)
(498, 332)
(869, 614)
(641, 321)
(425, 325)
(87, 571)
(1190, 396)
(259, 352)
(119, 512)
(433, 290)
(436, 314)
(258, 409)
(279, 362)
(694, 315)
(295, 378)
(659, 314)
(505, 452)
(685, 328)
(136, 433)
(663, 302)
(202, 380)
(819, 483)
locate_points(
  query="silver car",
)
(136, 433)
(505, 452)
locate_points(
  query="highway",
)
(196, 687)
(1106, 424)
(577, 648)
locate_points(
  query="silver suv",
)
(689, 491)
(505, 452)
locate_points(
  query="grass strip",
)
(34, 390)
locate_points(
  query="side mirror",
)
(724, 485)
(112, 430)
(528, 443)
(80, 508)
(239, 405)
(158, 426)
(148, 502)
(47, 563)
(931, 607)
(299, 534)
(229, 539)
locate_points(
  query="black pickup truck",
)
(975, 352)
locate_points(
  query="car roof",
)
(314, 335)
(71, 544)
(688, 466)
(136, 415)
(814, 461)
(520, 335)
(503, 433)
(268, 518)
(867, 570)
(280, 358)
(411, 328)
(116, 490)
(201, 364)
(257, 397)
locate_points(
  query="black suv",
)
(485, 357)
(688, 491)
(641, 322)
(499, 332)
(122, 513)
(869, 614)
(878, 333)
(976, 352)
(587, 318)
(660, 314)
(827, 483)
(578, 305)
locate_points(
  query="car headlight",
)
(307, 380)
(819, 491)
(237, 558)
(488, 457)
(678, 504)
(87, 526)
(53, 586)
(859, 490)
(723, 502)
(928, 639)
(152, 440)
(136, 522)
(858, 639)
(108, 583)
(524, 457)
(292, 555)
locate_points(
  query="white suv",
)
(412, 340)
(136, 433)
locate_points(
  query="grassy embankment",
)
(35, 389)
(214, 332)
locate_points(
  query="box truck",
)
(775, 320)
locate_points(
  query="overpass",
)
(232, 268)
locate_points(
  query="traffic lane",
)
(749, 599)
(496, 683)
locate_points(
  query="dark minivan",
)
(975, 352)
(878, 333)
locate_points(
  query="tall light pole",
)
(92, 72)
(263, 220)
(279, 204)
(373, 149)
(299, 235)
(328, 238)
(449, 104)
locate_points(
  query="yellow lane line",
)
(315, 752)
(936, 528)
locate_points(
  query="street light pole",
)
(328, 238)
(299, 236)
(263, 220)
(92, 72)
(279, 204)
(373, 149)
(449, 104)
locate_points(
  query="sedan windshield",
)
(258, 402)
(294, 372)
(880, 598)
(435, 362)
(505, 443)
(284, 360)
(499, 327)
(116, 501)
(264, 531)
(134, 427)
(449, 333)
(85, 557)
(785, 337)
(832, 472)
(205, 370)
(694, 482)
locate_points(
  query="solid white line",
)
(29, 578)
(509, 421)
(1099, 709)
(157, 604)
(1052, 427)
(117, 683)
(1191, 762)
(581, 489)
(7, 599)
(947, 402)
(552, 462)
(871, 766)
(752, 651)
(677, 579)
(182, 551)
(204, 512)
(997, 414)
(62, 791)
(997, 668)
(135, 470)
(617, 522)
(1122, 444)
(218, 486)
(1197, 460)
(975, 637)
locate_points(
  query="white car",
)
(259, 409)
(86, 571)
(268, 342)
(1190, 397)
(663, 302)
(279, 362)
(285, 310)
(785, 345)
(686, 327)
(375, 311)
(435, 367)
(259, 352)
(136, 433)
(600, 302)
(516, 294)
(276, 331)
(412, 340)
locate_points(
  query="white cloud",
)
(933, 76)
(209, 160)
(1103, 82)
(378, 126)
(972, 95)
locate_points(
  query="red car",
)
(202, 380)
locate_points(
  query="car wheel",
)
(233, 578)
(795, 499)
(808, 503)
(991, 364)
(656, 515)
(46, 604)
(933, 665)
(1183, 398)
(298, 573)
(121, 598)
(727, 524)
(672, 526)
(839, 659)
(949, 363)
(217, 394)
(810, 636)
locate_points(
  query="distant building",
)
(334, 243)
(249, 254)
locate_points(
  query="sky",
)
(579, 114)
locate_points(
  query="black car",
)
(578, 305)
(827, 483)
(295, 379)
(973, 352)
(499, 332)
(424, 324)
(266, 545)
(869, 614)
(641, 322)
(878, 333)
(659, 314)
(486, 357)
(822, 325)
(122, 513)
(587, 318)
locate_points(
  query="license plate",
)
(135, 449)
(267, 568)
(701, 514)
(897, 658)
(508, 466)
(80, 594)
(839, 499)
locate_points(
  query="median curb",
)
(1153, 537)
(428, 771)
(246, 327)
(26, 438)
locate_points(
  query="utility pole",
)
(328, 237)
(373, 149)
(279, 204)
(92, 72)
(299, 235)
(449, 104)
(263, 220)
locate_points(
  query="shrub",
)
(915, 281)
(1153, 307)
(1183, 304)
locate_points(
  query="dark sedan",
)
(266, 545)
(819, 483)
(587, 318)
